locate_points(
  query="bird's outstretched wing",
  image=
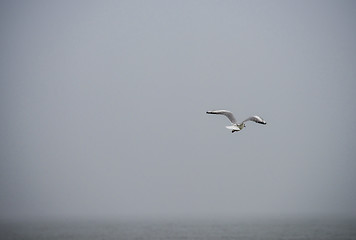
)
(256, 119)
(228, 114)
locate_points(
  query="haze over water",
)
(103, 119)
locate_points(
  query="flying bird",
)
(235, 127)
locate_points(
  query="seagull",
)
(235, 127)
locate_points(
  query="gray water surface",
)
(174, 230)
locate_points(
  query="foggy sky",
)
(103, 108)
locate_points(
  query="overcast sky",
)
(103, 108)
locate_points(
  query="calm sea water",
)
(178, 230)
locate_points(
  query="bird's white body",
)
(235, 127)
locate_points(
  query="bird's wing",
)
(228, 114)
(256, 119)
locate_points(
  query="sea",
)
(310, 229)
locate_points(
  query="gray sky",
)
(103, 108)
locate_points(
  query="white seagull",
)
(235, 127)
